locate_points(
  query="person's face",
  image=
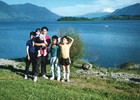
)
(31, 37)
(64, 41)
(54, 41)
(44, 31)
(38, 32)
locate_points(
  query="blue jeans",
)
(53, 66)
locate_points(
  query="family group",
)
(37, 54)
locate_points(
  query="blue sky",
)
(77, 7)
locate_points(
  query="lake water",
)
(115, 42)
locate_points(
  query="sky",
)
(77, 7)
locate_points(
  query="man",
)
(42, 60)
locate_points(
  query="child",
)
(54, 61)
(40, 39)
(65, 57)
(30, 50)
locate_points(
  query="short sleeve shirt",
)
(31, 47)
(65, 50)
(54, 51)
(48, 40)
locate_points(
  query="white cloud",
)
(95, 6)
(76, 10)
(107, 10)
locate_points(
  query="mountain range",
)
(25, 12)
(30, 12)
(36, 12)
(129, 10)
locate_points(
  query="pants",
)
(42, 60)
(28, 62)
(53, 66)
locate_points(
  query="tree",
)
(76, 50)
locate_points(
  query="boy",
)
(54, 61)
(65, 57)
(30, 50)
(40, 39)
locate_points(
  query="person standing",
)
(65, 56)
(42, 60)
(30, 50)
(54, 61)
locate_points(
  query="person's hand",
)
(56, 61)
(41, 38)
(59, 39)
(43, 44)
(46, 43)
(28, 57)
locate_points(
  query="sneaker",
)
(68, 80)
(58, 78)
(63, 80)
(45, 54)
(45, 76)
(35, 78)
(38, 55)
(52, 78)
(25, 77)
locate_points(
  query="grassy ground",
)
(14, 87)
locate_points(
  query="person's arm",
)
(44, 39)
(59, 39)
(72, 40)
(48, 42)
(33, 41)
(58, 55)
(39, 44)
(27, 51)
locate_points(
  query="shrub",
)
(128, 65)
(76, 51)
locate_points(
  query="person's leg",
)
(27, 68)
(36, 67)
(38, 51)
(57, 66)
(64, 73)
(33, 61)
(45, 52)
(68, 72)
(43, 67)
(68, 61)
(52, 62)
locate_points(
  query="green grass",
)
(14, 87)
(122, 70)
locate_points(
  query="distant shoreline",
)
(120, 17)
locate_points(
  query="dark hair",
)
(38, 29)
(45, 28)
(65, 37)
(32, 33)
(55, 37)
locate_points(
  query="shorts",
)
(65, 61)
